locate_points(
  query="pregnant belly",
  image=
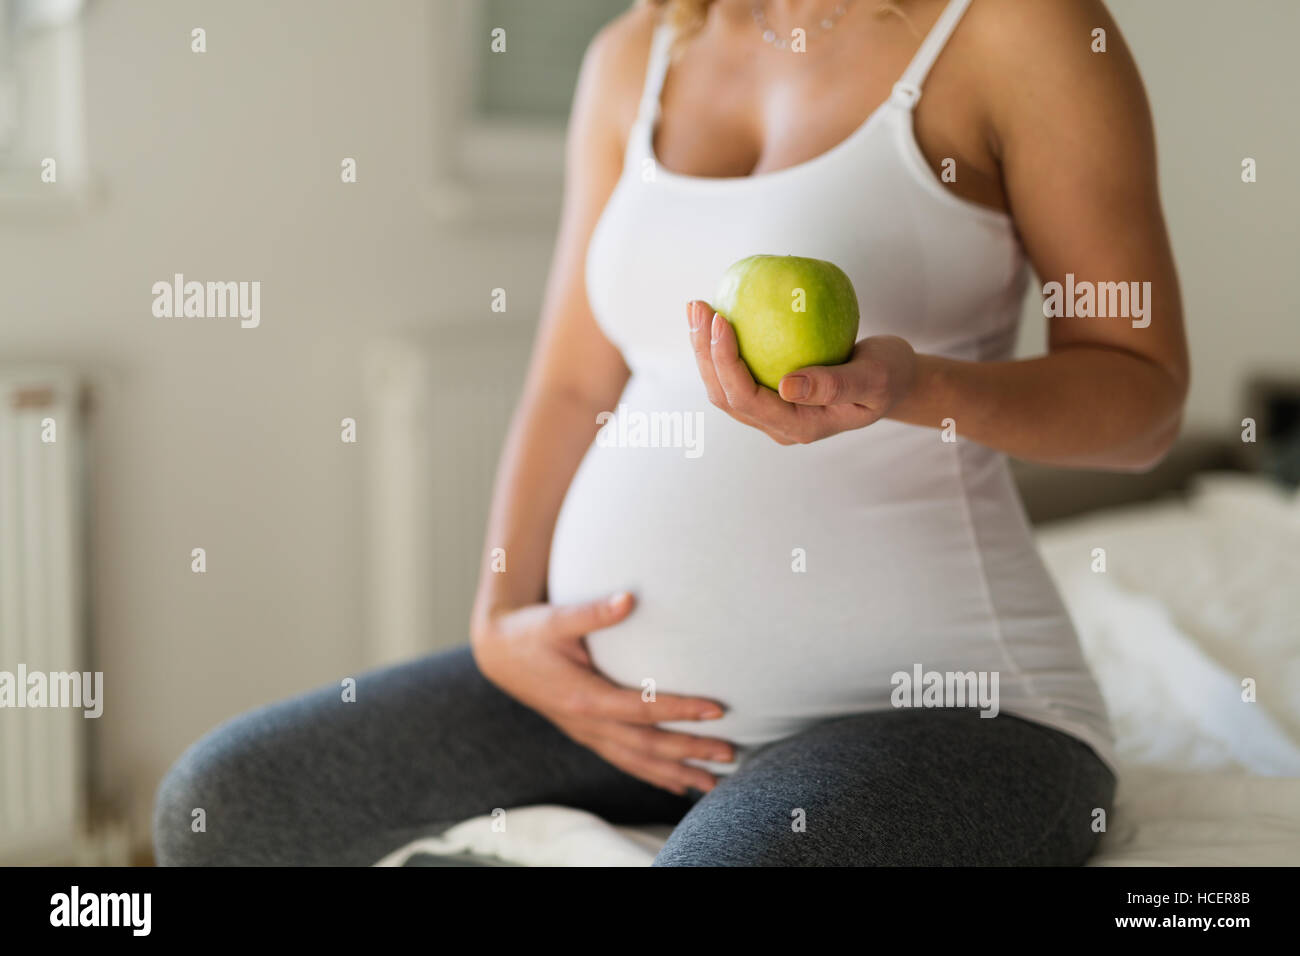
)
(789, 584)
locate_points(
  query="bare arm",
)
(1073, 133)
(575, 372)
(1071, 130)
(533, 651)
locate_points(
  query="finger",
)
(592, 696)
(668, 774)
(842, 418)
(593, 735)
(699, 315)
(629, 706)
(576, 620)
(643, 771)
(852, 382)
(666, 744)
(701, 344)
(743, 393)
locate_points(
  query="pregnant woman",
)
(727, 637)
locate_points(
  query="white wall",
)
(226, 166)
(1222, 81)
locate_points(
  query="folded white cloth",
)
(541, 836)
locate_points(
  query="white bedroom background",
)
(228, 439)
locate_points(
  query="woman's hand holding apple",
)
(813, 403)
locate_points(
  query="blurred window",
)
(544, 42)
(40, 83)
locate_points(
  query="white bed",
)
(1198, 596)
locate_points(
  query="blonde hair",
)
(687, 16)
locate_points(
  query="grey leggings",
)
(319, 781)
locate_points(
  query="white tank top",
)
(793, 584)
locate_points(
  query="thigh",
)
(322, 780)
(904, 788)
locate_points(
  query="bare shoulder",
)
(613, 69)
(1042, 31)
(1065, 58)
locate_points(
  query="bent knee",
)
(206, 809)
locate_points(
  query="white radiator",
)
(437, 408)
(43, 778)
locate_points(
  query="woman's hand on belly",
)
(538, 655)
(813, 403)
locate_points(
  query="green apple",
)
(788, 312)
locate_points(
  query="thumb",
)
(575, 620)
(826, 385)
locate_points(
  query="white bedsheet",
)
(1193, 818)
(1197, 597)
